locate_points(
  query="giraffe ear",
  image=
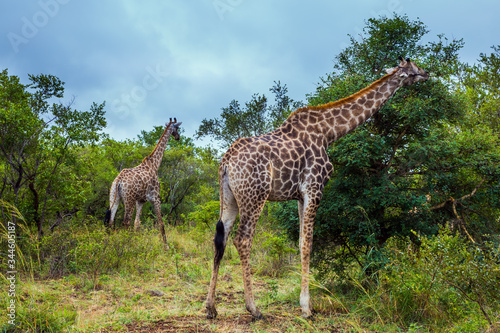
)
(403, 62)
(176, 125)
(389, 70)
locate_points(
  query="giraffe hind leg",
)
(111, 213)
(114, 202)
(129, 210)
(229, 211)
(138, 210)
(159, 219)
(243, 243)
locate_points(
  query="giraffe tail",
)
(107, 217)
(219, 241)
(113, 195)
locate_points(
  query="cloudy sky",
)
(152, 60)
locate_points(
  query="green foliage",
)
(383, 40)
(415, 165)
(151, 138)
(204, 215)
(48, 317)
(445, 279)
(36, 153)
(481, 85)
(184, 172)
(92, 252)
(276, 249)
(445, 285)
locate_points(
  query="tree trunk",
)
(36, 205)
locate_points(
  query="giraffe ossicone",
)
(140, 184)
(291, 163)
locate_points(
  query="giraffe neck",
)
(333, 120)
(153, 160)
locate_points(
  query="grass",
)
(126, 282)
(165, 292)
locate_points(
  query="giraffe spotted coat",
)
(291, 163)
(137, 185)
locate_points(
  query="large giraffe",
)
(140, 184)
(291, 163)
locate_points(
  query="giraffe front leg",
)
(309, 208)
(138, 209)
(129, 209)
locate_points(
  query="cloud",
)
(152, 61)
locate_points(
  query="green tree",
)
(186, 173)
(412, 166)
(37, 144)
(481, 84)
(183, 173)
(257, 117)
(98, 165)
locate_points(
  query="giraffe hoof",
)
(211, 313)
(258, 316)
(308, 315)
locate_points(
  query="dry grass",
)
(170, 297)
(162, 291)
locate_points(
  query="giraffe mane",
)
(158, 143)
(344, 100)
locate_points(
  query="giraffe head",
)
(408, 72)
(175, 128)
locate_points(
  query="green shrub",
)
(275, 254)
(35, 317)
(446, 280)
(92, 250)
(205, 216)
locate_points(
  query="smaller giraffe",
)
(140, 184)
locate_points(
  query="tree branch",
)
(454, 203)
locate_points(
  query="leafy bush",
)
(446, 280)
(92, 250)
(206, 215)
(275, 249)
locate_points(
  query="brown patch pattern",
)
(290, 163)
(137, 185)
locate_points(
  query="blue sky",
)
(153, 60)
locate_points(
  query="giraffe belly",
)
(285, 186)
